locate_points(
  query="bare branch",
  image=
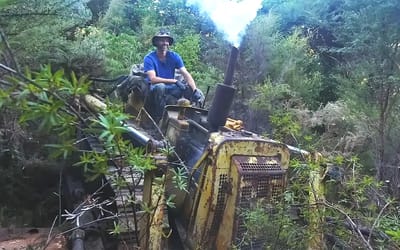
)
(13, 60)
(354, 226)
(377, 219)
(5, 83)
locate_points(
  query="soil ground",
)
(30, 238)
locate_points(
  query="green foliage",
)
(141, 15)
(357, 199)
(277, 101)
(356, 188)
(5, 97)
(273, 225)
(49, 101)
(138, 160)
(369, 78)
(294, 63)
(299, 188)
(168, 150)
(111, 126)
(291, 220)
(390, 224)
(40, 32)
(282, 72)
(170, 201)
(189, 49)
(285, 73)
(116, 19)
(207, 76)
(95, 165)
(116, 230)
(271, 97)
(116, 52)
(146, 17)
(173, 13)
(122, 51)
(296, 219)
(293, 58)
(45, 100)
(180, 179)
(4, 3)
(286, 128)
(261, 40)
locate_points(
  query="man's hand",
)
(181, 85)
(198, 96)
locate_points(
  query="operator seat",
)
(136, 92)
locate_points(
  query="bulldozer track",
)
(128, 199)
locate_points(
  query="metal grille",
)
(261, 178)
(261, 167)
(219, 207)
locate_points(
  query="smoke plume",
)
(231, 17)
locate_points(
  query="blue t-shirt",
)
(164, 69)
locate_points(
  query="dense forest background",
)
(321, 75)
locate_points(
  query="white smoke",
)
(230, 17)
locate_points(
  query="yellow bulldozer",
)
(227, 170)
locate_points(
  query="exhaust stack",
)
(230, 69)
(224, 95)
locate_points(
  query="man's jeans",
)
(159, 92)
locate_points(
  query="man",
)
(160, 66)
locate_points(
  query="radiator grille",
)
(261, 167)
(219, 208)
(261, 178)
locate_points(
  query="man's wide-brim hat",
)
(162, 34)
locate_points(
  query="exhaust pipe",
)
(230, 69)
(224, 95)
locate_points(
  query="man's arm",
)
(188, 77)
(151, 74)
